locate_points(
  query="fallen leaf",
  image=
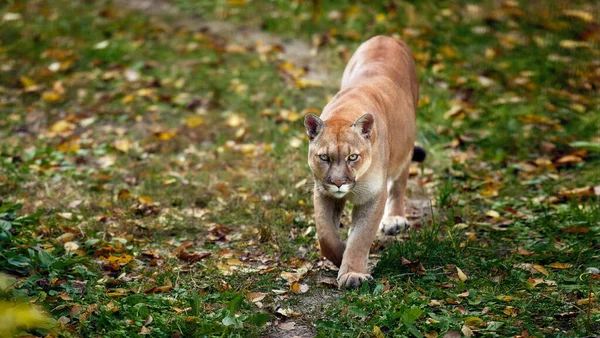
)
(576, 229)
(586, 301)
(62, 127)
(145, 200)
(298, 288)
(579, 14)
(492, 214)
(194, 256)
(537, 281)
(122, 145)
(466, 331)
(452, 334)
(168, 286)
(255, 296)
(114, 263)
(557, 265)
(234, 120)
(455, 112)
(569, 159)
(123, 194)
(473, 321)
(71, 246)
(461, 274)
(511, 311)
(290, 277)
(586, 191)
(541, 269)
(50, 96)
(194, 121)
(377, 332)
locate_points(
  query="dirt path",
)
(297, 51)
(302, 55)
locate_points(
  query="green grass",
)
(126, 136)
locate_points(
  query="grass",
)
(153, 177)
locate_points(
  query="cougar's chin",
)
(338, 192)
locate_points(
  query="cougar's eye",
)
(352, 157)
(324, 157)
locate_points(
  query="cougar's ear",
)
(314, 125)
(365, 124)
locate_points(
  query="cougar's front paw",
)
(392, 225)
(352, 279)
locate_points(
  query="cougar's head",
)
(339, 152)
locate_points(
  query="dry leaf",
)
(255, 296)
(541, 269)
(71, 246)
(194, 121)
(145, 200)
(557, 265)
(586, 301)
(461, 274)
(62, 127)
(466, 331)
(122, 145)
(377, 332)
(452, 334)
(569, 159)
(587, 191)
(511, 311)
(455, 112)
(536, 281)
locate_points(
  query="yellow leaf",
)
(511, 311)
(51, 96)
(455, 112)
(304, 83)
(122, 145)
(127, 99)
(557, 265)
(69, 145)
(473, 321)
(572, 44)
(165, 135)
(461, 275)
(582, 15)
(27, 82)
(569, 159)
(448, 51)
(62, 126)
(540, 269)
(247, 148)
(377, 332)
(124, 194)
(586, 301)
(234, 120)
(145, 200)
(194, 121)
(492, 214)
(380, 18)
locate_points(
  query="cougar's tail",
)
(419, 154)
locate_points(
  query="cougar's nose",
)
(338, 183)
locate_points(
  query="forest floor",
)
(153, 175)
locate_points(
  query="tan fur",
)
(380, 80)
